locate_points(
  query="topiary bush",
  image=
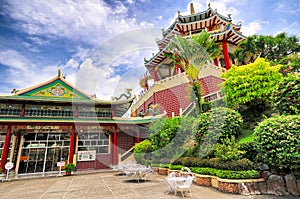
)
(278, 142)
(286, 97)
(142, 152)
(217, 124)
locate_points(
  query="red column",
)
(138, 136)
(226, 55)
(72, 144)
(111, 147)
(115, 146)
(6, 148)
(216, 62)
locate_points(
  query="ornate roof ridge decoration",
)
(239, 36)
(215, 16)
(197, 13)
(127, 95)
(56, 87)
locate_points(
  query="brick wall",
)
(172, 99)
(210, 84)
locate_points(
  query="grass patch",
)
(246, 136)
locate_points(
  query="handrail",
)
(127, 154)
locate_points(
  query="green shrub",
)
(228, 150)
(227, 174)
(143, 147)
(250, 149)
(217, 124)
(278, 142)
(155, 164)
(237, 165)
(142, 152)
(69, 167)
(175, 167)
(286, 97)
(164, 166)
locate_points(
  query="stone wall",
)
(279, 185)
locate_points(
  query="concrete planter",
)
(163, 171)
(155, 169)
(203, 180)
(170, 171)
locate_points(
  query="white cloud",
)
(15, 60)
(130, 1)
(87, 21)
(21, 72)
(72, 63)
(253, 27)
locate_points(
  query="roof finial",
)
(209, 5)
(58, 74)
(178, 12)
(192, 9)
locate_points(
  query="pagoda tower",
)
(169, 88)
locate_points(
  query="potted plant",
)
(69, 168)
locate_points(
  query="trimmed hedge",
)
(227, 174)
(237, 165)
(278, 142)
(175, 167)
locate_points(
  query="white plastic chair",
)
(171, 184)
(186, 186)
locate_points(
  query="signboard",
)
(86, 155)
(61, 164)
(9, 165)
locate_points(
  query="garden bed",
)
(243, 186)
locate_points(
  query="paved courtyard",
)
(108, 185)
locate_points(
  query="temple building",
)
(53, 122)
(169, 90)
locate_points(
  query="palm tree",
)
(246, 50)
(191, 57)
(203, 39)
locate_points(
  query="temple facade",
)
(169, 90)
(55, 122)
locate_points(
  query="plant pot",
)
(68, 173)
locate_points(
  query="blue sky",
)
(99, 45)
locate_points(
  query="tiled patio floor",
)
(107, 185)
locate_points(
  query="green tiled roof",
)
(76, 120)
